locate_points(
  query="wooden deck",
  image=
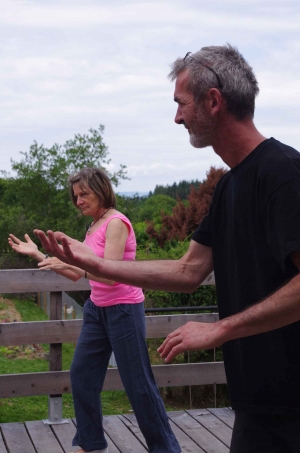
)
(197, 430)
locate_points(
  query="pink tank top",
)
(104, 295)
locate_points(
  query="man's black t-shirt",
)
(253, 226)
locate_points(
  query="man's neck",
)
(235, 140)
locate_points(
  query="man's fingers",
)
(173, 353)
(43, 238)
(169, 344)
(66, 247)
(166, 341)
(57, 249)
(59, 235)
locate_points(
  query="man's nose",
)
(178, 117)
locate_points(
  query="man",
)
(251, 238)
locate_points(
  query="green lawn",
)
(20, 360)
(36, 407)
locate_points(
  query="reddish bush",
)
(185, 219)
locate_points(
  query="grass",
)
(23, 359)
(36, 407)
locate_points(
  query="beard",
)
(201, 129)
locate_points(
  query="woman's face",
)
(87, 201)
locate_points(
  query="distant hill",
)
(131, 194)
(177, 190)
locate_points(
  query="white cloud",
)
(68, 65)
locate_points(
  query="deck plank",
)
(65, 434)
(111, 446)
(187, 445)
(225, 414)
(2, 445)
(121, 436)
(130, 421)
(198, 433)
(43, 437)
(16, 438)
(212, 424)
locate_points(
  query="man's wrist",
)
(226, 330)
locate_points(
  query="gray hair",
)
(225, 68)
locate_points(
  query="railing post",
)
(55, 362)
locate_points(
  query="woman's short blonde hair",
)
(96, 180)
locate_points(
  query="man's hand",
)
(191, 336)
(69, 251)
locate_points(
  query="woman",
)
(113, 320)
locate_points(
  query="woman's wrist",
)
(39, 256)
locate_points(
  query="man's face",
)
(194, 117)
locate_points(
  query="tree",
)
(38, 197)
(56, 163)
(185, 218)
(154, 206)
(176, 190)
(130, 205)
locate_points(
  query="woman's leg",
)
(88, 371)
(127, 334)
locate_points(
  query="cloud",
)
(68, 65)
(138, 14)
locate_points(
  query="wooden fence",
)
(56, 382)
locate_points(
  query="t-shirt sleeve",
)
(282, 221)
(202, 235)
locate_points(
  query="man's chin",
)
(197, 143)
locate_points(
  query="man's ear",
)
(214, 101)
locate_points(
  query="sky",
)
(68, 66)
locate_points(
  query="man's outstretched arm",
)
(182, 275)
(278, 310)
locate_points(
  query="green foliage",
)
(54, 164)
(180, 190)
(204, 295)
(174, 250)
(140, 233)
(38, 196)
(186, 217)
(11, 352)
(28, 310)
(153, 207)
(130, 206)
(36, 407)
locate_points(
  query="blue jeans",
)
(121, 329)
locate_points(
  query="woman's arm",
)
(115, 241)
(54, 264)
(31, 249)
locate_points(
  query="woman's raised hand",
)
(26, 248)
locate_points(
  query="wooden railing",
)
(56, 382)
